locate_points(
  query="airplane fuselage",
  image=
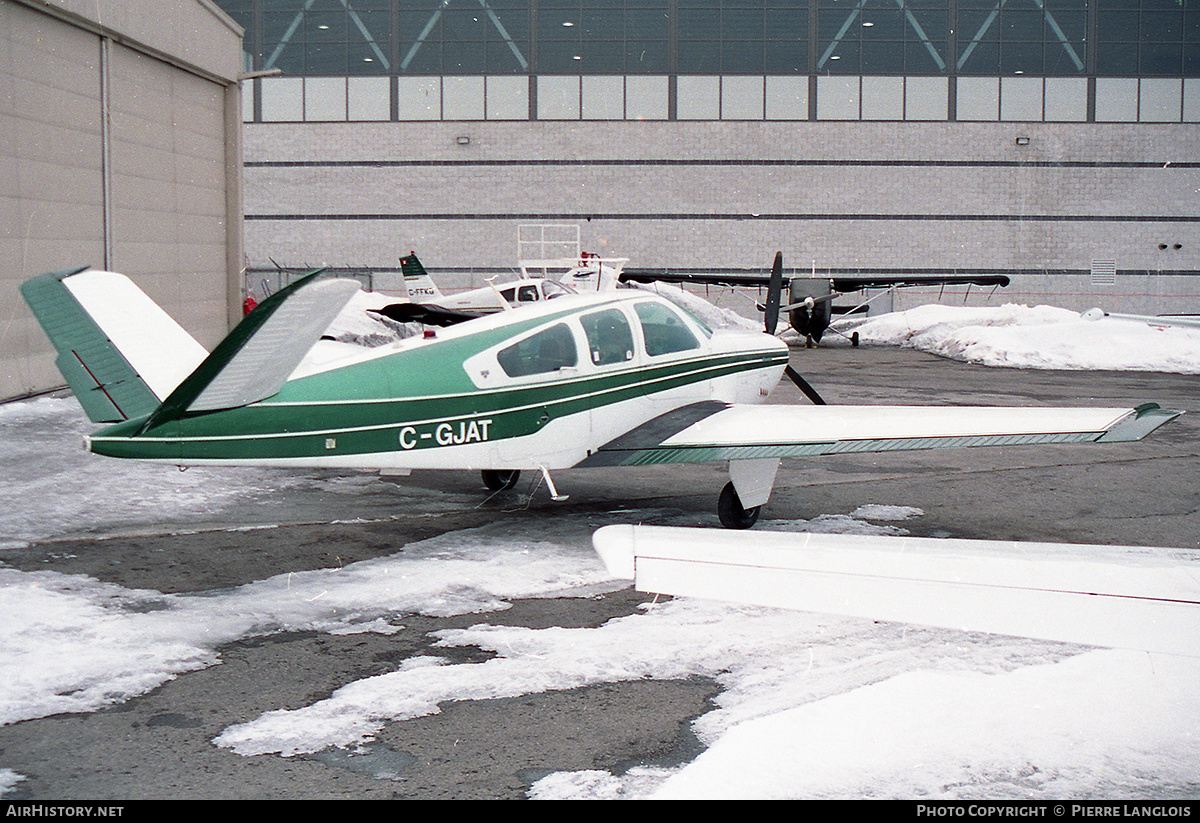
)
(542, 387)
(614, 378)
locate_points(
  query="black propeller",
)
(803, 385)
(774, 294)
(771, 318)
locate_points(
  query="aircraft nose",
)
(779, 344)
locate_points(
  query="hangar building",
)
(1053, 140)
(121, 124)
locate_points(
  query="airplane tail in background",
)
(118, 351)
(418, 285)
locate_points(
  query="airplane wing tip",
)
(615, 545)
(1139, 422)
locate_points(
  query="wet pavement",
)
(159, 745)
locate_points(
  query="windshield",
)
(552, 289)
(708, 332)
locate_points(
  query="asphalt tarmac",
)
(159, 745)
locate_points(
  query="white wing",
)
(711, 432)
(1118, 596)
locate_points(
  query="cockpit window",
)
(609, 338)
(547, 351)
(663, 331)
(529, 293)
(553, 289)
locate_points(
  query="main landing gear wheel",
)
(730, 511)
(499, 479)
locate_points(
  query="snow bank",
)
(1039, 337)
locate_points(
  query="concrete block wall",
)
(832, 195)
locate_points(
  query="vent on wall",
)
(1104, 272)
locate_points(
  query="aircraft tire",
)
(730, 511)
(500, 479)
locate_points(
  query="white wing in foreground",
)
(1126, 597)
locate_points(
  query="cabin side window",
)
(521, 294)
(547, 351)
(663, 331)
(609, 337)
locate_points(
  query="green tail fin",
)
(106, 385)
(418, 285)
(119, 352)
(410, 266)
(255, 359)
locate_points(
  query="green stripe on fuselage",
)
(317, 421)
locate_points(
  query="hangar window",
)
(615, 36)
(1148, 37)
(881, 37)
(742, 36)
(1032, 39)
(547, 351)
(327, 37)
(461, 37)
(609, 337)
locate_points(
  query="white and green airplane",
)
(604, 379)
(424, 302)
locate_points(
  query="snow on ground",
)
(1039, 337)
(9, 780)
(812, 705)
(50, 487)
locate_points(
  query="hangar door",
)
(167, 187)
(51, 175)
(109, 158)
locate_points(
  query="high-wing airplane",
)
(609, 378)
(1183, 321)
(810, 305)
